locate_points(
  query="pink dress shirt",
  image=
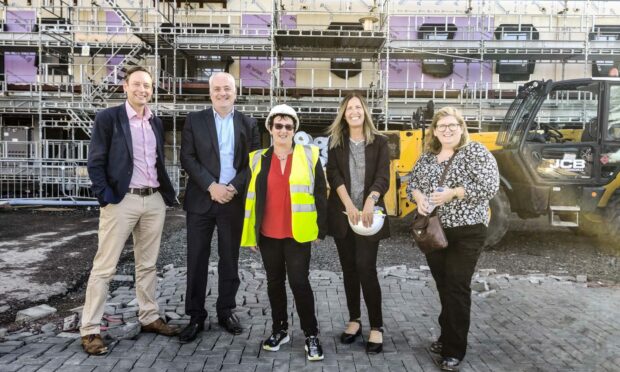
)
(144, 149)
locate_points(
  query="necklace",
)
(283, 156)
(357, 142)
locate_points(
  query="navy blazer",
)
(377, 178)
(110, 157)
(200, 156)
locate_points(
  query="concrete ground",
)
(531, 322)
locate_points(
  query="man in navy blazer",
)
(126, 167)
(214, 153)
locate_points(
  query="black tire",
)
(500, 212)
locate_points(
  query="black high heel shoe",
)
(348, 338)
(374, 347)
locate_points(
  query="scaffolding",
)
(65, 60)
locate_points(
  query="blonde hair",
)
(432, 144)
(339, 129)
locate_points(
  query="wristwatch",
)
(374, 197)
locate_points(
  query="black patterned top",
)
(474, 168)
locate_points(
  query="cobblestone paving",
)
(522, 323)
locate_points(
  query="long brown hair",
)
(339, 128)
(432, 144)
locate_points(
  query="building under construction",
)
(64, 60)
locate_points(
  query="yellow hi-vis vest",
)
(301, 184)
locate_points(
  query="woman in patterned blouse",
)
(463, 203)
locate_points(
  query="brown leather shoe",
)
(159, 326)
(93, 344)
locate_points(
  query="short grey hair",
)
(229, 76)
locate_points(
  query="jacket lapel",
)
(237, 123)
(124, 120)
(345, 162)
(210, 121)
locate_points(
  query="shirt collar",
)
(230, 115)
(131, 113)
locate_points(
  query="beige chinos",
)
(144, 217)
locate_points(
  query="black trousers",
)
(282, 257)
(229, 221)
(452, 268)
(358, 258)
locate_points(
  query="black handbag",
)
(427, 231)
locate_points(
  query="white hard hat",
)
(377, 223)
(282, 110)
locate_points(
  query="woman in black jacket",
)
(358, 174)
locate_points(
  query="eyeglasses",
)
(278, 126)
(443, 127)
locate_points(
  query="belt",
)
(143, 192)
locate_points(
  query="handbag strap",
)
(445, 171)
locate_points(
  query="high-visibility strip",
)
(256, 159)
(308, 151)
(251, 195)
(300, 188)
(303, 208)
(247, 213)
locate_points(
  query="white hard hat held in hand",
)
(377, 223)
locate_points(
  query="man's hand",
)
(221, 193)
(254, 249)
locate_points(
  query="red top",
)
(277, 216)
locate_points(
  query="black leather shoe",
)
(374, 347)
(436, 347)
(189, 333)
(449, 364)
(231, 324)
(348, 338)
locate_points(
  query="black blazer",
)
(320, 194)
(200, 156)
(377, 178)
(110, 157)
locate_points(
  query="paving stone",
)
(34, 313)
(122, 278)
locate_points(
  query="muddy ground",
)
(46, 254)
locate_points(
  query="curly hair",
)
(432, 144)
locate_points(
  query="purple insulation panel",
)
(20, 20)
(114, 23)
(256, 73)
(19, 68)
(406, 74)
(113, 69)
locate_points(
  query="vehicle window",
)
(613, 118)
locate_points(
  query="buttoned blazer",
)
(200, 156)
(377, 178)
(110, 157)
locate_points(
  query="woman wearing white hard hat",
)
(285, 211)
(358, 173)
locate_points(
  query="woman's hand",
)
(441, 197)
(368, 212)
(353, 213)
(422, 203)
